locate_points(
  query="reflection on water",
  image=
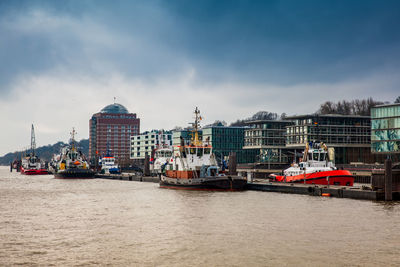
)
(47, 221)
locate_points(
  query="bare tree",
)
(354, 107)
(217, 123)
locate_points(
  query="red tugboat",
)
(31, 164)
(315, 168)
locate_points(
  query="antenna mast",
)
(33, 141)
(73, 138)
(196, 126)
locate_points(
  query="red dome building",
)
(112, 128)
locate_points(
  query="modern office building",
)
(349, 135)
(111, 128)
(267, 140)
(385, 129)
(225, 140)
(186, 134)
(146, 142)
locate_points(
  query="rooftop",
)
(115, 109)
(325, 116)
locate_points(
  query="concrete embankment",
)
(262, 185)
(317, 190)
(129, 177)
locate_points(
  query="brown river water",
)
(54, 222)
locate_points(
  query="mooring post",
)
(232, 163)
(146, 165)
(11, 166)
(388, 179)
(327, 178)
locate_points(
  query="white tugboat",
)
(194, 166)
(108, 165)
(162, 155)
(72, 163)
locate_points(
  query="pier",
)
(353, 192)
(129, 177)
(361, 192)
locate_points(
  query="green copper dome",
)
(115, 109)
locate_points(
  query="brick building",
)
(112, 128)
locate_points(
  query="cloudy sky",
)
(62, 61)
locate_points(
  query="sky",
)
(63, 61)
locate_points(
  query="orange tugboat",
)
(194, 167)
(316, 168)
(31, 164)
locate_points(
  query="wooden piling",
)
(232, 163)
(388, 180)
(147, 165)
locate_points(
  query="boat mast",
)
(73, 138)
(196, 127)
(33, 141)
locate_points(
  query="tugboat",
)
(72, 163)
(31, 164)
(194, 167)
(316, 168)
(108, 164)
(162, 155)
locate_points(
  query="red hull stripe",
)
(34, 172)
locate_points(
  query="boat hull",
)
(34, 171)
(219, 183)
(75, 174)
(335, 177)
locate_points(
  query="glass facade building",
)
(267, 140)
(385, 129)
(349, 135)
(146, 142)
(225, 139)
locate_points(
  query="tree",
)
(397, 100)
(261, 115)
(217, 123)
(354, 107)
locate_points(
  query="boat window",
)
(207, 150)
(192, 150)
(168, 154)
(323, 157)
(310, 156)
(315, 156)
(199, 151)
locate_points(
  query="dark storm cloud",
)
(296, 41)
(279, 42)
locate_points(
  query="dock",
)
(129, 177)
(361, 192)
(353, 192)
